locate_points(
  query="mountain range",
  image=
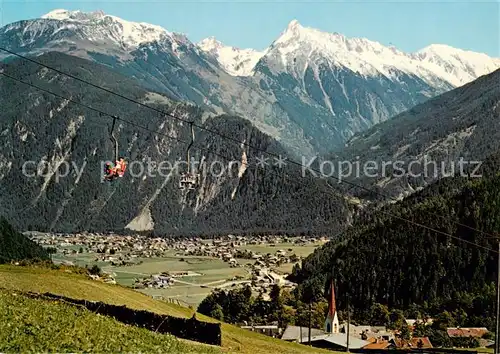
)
(309, 89)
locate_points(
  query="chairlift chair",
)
(115, 142)
(189, 180)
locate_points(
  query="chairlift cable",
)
(228, 159)
(240, 143)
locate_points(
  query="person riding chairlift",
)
(121, 166)
(117, 171)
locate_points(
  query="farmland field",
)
(209, 269)
(206, 272)
(298, 250)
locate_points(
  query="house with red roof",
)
(414, 343)
(458, 332)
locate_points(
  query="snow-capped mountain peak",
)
(235, 61)
(294, 31)
(458, 65)
(294, 25)
(299, 45)
(303, 46)
(67, 15)
(100, 26)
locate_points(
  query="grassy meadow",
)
(61, 282)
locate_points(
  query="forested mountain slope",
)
(37, 127)
(385, 257)
(428, 141)
(14, 246)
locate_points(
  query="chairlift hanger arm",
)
(192, 135)
(189, 147)
(112, 137)
(113, 125)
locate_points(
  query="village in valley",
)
(185, 269)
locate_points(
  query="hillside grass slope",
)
(29, 325)
(61, 282)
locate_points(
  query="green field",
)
(212, 271)
(301, 251)
(298, 250)
(234, 339)
(28, 325)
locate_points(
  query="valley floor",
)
(206, 272)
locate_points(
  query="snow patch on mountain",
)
(236, 61)
(460, 66)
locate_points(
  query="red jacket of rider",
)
(121, 166)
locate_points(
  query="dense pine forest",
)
(385, 258)
(16, 247)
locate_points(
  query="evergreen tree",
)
(396, 320)
(217, 312)
(379, 315)
(405, 332)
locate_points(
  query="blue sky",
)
(409, 26)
